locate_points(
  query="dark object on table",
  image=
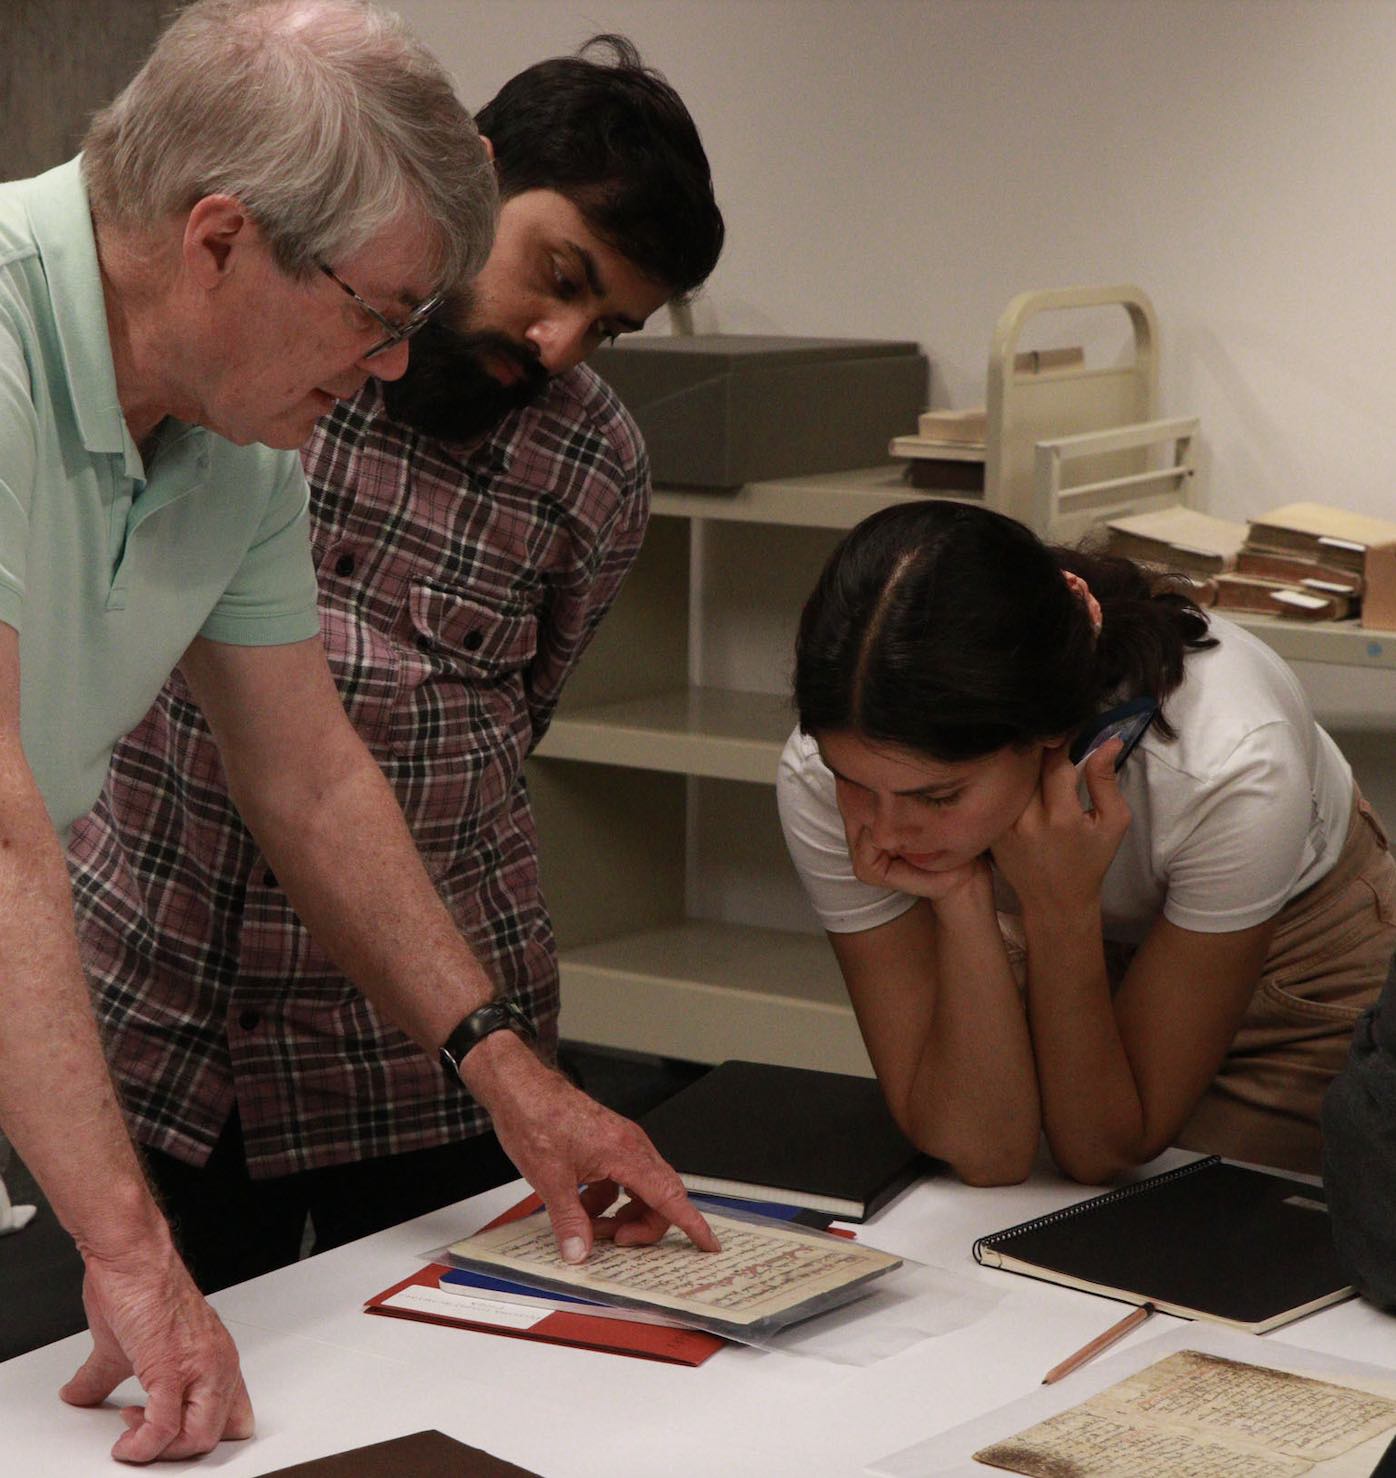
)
(719, 410)
(816, 1139)
(421, 1455)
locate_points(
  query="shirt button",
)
(472, 639)
(424, 642)
(269, 878)
(249, 1021)
(344, 565)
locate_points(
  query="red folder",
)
(615, 1336)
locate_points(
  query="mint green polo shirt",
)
(109, 566)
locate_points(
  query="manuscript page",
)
(762, 1271)
(1198, 1413)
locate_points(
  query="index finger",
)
(1060, 776)
(663, 1194)
(150, 1430)
(1103, 783)
(210, 1416)
(870, 862)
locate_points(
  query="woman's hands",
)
(1055, 856)
(970, 882)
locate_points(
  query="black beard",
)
(450, 395)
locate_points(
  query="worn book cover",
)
(1265, 597)
(1182, 538)
(429, 1454)
(1335, 535)
(1296, 569)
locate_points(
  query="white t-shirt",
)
(1247, 807)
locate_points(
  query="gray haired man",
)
(256, 226)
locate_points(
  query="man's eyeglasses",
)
(397, 333)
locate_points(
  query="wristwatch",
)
(493, 1016)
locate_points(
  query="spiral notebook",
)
(1209, 1240)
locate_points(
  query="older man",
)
(256, 226)
(472, 523)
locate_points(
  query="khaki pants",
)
(1327, 963)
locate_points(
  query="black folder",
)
(794, 1135)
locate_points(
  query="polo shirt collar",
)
(61, 220)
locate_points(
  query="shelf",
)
(1341, 642)
(655, 800)
(711, 732)
(839, 500)
(917, 449)
(726, 735)
(709, 991)
(830, 500)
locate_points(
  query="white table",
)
(325, 1376)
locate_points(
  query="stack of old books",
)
(1303, 561)
(1194, 544)
(947, 453)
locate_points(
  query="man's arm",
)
(59, 1108)
(330, 826)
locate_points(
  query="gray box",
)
(719, 410)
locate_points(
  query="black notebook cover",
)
(1209, 1240)
(815, 1139)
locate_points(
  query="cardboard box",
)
(720, 410)
(1379, 587)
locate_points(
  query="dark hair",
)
(612, 136)
(947, 629)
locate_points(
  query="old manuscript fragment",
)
(1192, 1414)
(765, 1274)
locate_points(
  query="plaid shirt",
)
(458, 587)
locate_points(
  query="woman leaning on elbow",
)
(1173, 953)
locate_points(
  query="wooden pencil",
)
(1101, 1342)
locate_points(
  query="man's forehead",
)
(396, 268)
(552, 220)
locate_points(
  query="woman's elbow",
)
(1099, 1164)
(1004, 1162)
(979, 1155)
(999, 1170)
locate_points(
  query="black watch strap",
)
(493, 1016)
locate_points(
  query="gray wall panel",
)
(60, 60)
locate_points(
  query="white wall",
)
(902, 168)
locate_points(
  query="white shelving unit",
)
(681, 926)
(652, 777)
(1343, 643)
